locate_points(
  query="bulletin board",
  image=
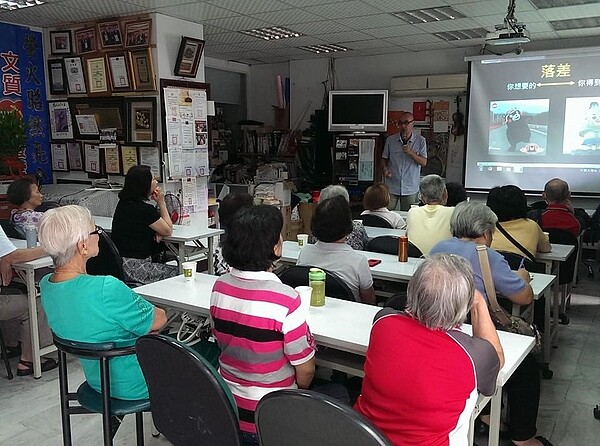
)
(185, 133)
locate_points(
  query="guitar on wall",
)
(458, 124)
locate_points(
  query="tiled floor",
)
(30, 413)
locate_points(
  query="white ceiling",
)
(366, 27)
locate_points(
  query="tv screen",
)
(535, 117)
(358, 110)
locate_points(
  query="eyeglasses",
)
(98, 231)
(406, 122)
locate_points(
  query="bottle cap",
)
(316, 274)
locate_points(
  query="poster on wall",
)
(23, 89)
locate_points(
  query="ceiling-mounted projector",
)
(508, 36)
(510, 32)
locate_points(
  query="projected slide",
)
(519, 127)
(534, 117)
(582, 126)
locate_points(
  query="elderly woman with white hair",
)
(473, 224)
(93, 309)
(414, 355)
(426, 225)
(358, 238)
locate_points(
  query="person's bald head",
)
(556, 191)
(406, 124)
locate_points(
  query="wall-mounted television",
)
(358, 110)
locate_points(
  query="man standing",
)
(403, 156)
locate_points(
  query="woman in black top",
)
(138, 226)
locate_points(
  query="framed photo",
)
(75, 76)
(129, 158)
(75, 156)
(188, 57)
(109, 34)
(107, 111)
(61, 124)
(58, 80)
(141, 120)
(151, 156)
(59, 157)
(111, 160)
(96, 75)
(142, 70)
(138, 33)
(118, 69)
(60, 42)
(85, 41)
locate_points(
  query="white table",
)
(373, 232)
(26, 272)
(176, 242)
(340, 324)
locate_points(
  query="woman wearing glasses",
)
(93, 309)
(138, 227)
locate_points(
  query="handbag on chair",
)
(502, 319)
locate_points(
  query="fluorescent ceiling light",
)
(584, 22)
(545, 4)
(426, 15)
(462, 34)
(326, 48)
(18, 4)
(271, 33)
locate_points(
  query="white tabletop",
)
(558, 253)
(42, 262)
(391, 269)
(373, 232)
(339, 324)
(181, 233)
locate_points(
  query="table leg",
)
(495, 409)
(556, 305)
(181, 256)
(211, 266)
(33, 322)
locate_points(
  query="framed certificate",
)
(129, 158)
(141, 120)
(75, 156)
(92, 158)
(59, 157)
(97, 78)
(111, 160)
(142, 70)
(118, 68)
(57, 78)
(75, 76)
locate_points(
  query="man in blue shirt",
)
(403, 156)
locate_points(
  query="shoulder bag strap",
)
(497, 311)
(514, 242)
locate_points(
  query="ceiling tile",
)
(105, 8)
(322, 27)
(352, 8)
(238, 23)
(405, 5)
(570, 12)
(250, 6)
(196, 12)
(305, 3)
(393, 31)
(157, 3)
(229, 37)
(287, 16)
(414, 39)
(344, 36)
(372, 21)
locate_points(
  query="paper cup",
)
(305, 293)
(189, 270)
(302, 240)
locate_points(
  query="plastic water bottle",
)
(316, 280)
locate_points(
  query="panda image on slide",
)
(517, 129)
(591, 128)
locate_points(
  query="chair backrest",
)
(190, 402)
(397, 301)
(375, 221)
(385, 244)
(87, 350)
(11, 230)
(514, 261)
(567, 268)
(108, 262)
(304, 417)
(334, 286)
(413, 251)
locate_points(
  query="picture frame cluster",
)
(109, 56)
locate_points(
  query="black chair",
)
(11, 230)
(5, 356)
(191, 404)
(514, 261)
(304, 417)
(375, 221)
(397, 301)
(108, 262)
(334, 286)
(567, 268)
(90, 401)
(388, 244)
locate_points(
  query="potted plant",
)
(13, 133)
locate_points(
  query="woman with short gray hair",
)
(433, 352)
(473, 224)
(93, 309)
(426, 225)
(358, 238)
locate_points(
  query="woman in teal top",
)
(93, 308)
